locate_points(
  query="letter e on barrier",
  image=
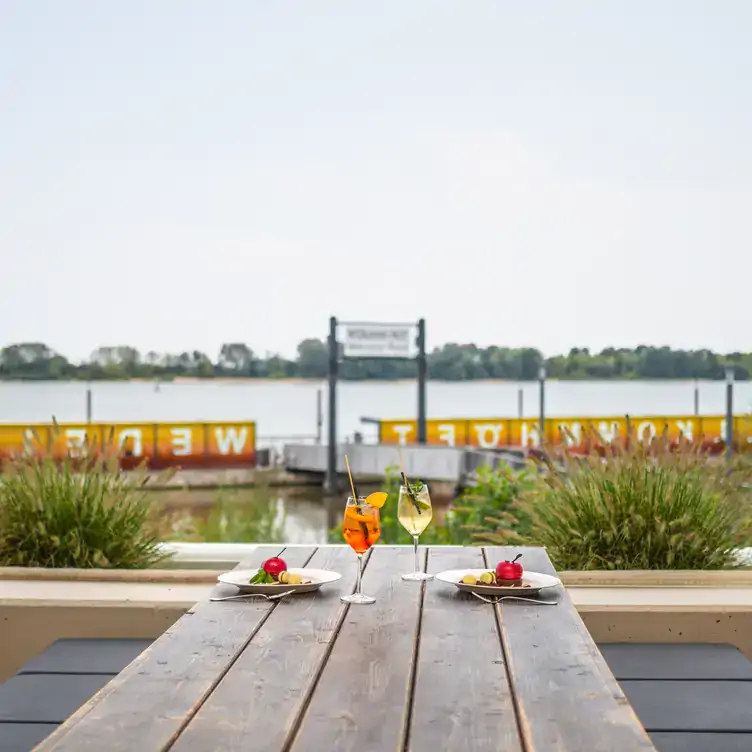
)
(182, 441)
(447, 433)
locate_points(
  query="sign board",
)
(378, 340)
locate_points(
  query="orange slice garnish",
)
(377, 499)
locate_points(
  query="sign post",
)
(422, 378)
(360, 341)
(330, 480)
(729, 437)
(542, 404)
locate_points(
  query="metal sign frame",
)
(335, 357)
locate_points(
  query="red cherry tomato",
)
(274, 566)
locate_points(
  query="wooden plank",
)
(146, 706)
(462, 698)
(565, 694)
(262, 696)
(362, 698)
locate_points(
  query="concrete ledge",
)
(39, 574)
(659, 578)
(146, 594)
(732, 627)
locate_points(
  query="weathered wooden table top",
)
(426, 668)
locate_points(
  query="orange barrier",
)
(161, 445)
(490, 433)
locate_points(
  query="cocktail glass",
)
(414, 512)
(361, 528)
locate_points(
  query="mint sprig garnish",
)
(412, 491)
(262, 577)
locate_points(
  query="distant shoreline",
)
(323, 380)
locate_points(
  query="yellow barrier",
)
(160, 444)
(490, 433)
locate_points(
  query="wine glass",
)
(361, 528)
(414, 512)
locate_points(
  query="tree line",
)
(450, 362)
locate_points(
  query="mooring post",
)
(422, 378)
(330, 480)
(729, 438)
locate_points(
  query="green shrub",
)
(79, 512)
(494, 500)
(639, 505)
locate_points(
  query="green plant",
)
(79, 512)
(494, 501)
(234, 517)
(640, 505)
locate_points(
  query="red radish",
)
(274, 566)
(509, 570)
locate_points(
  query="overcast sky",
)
(175, 174)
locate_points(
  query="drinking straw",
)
(352, 485)
(358, 510)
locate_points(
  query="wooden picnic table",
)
(426, 668)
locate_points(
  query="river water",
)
(289, 408)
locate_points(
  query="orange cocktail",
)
(361, 527)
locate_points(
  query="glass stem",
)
(360, 574)
(415, 544)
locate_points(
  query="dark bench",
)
(55, 684)
(689, 697)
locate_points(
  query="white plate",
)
(536, 580)
(241, 579)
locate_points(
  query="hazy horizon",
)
(180, 174)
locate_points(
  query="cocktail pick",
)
(358, 510)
